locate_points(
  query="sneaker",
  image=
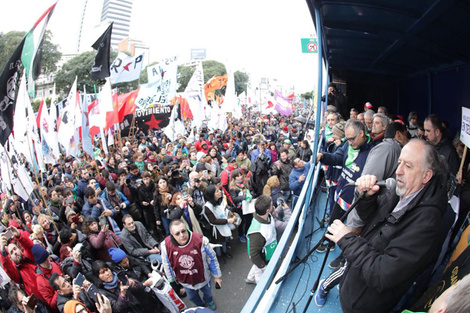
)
(322, 248)
(227, 255)
(212, 305)
(243, 238)
(320, 295)
(249, 281)
(336, 262)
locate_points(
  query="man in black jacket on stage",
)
(400, 238)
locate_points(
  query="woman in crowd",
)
(274, 151)
(121, 293)
(273, 189)
(101, 239)
(239, 190)
(162, 199)
(50, 233)
(215, 210)
(183, 207)
(304, 152)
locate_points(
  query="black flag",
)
(100, 69)
(8, 88)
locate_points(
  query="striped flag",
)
(32, 50)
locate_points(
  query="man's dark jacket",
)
(393, 249)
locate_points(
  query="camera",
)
(117, 208)
(103, 221)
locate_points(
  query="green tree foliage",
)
(79, 67)
(184, 75)
(212, 67)
(50, 52)
(8, 43)
(307, 95)
(241, 79)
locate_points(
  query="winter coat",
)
(393, 249)
(294, 183)
(133, 247)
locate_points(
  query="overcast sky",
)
(261, 37)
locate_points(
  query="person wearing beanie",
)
(45, 268)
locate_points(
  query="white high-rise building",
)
(119, 12)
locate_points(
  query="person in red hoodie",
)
(45, 268)
(19, 265)
(202, 144)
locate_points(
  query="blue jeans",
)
(195, 298)
(166, 225)
(154, 256)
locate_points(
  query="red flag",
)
(38, 117)
(126, 104)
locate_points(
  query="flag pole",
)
(29, 196)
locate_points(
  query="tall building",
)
(119, 12)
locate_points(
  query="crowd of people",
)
(106, 220)
(96, 224)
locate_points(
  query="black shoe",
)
(339, 261)
(222, 259)
(227, 255)
(322, 248)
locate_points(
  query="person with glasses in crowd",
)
(189, 259)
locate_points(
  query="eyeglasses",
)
(350, 139)
(182, 232)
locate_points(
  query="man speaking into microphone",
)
(400, 234)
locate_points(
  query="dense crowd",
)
(97, 224)
(105, 218)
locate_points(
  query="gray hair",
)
(457, 299)
(383, 117)
(356, 125)
(369, 113)
(432, 160)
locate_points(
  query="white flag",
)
(176, 126)
(17, 174)
(194, 93)
(68, 128)
(53, 138)
(126, 68)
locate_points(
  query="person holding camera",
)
(117, 200)
(100, 237)
(95, 208)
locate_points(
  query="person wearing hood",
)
(402, 233)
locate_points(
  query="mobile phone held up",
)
(32, 302)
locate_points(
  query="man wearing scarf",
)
(352, 156)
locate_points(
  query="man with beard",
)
(401, 233)
(18, 264)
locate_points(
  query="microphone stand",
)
(342, 219)
(322, 222)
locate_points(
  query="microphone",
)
(389, 183)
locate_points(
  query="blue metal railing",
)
(265, 291)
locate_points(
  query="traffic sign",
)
(309, 45)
